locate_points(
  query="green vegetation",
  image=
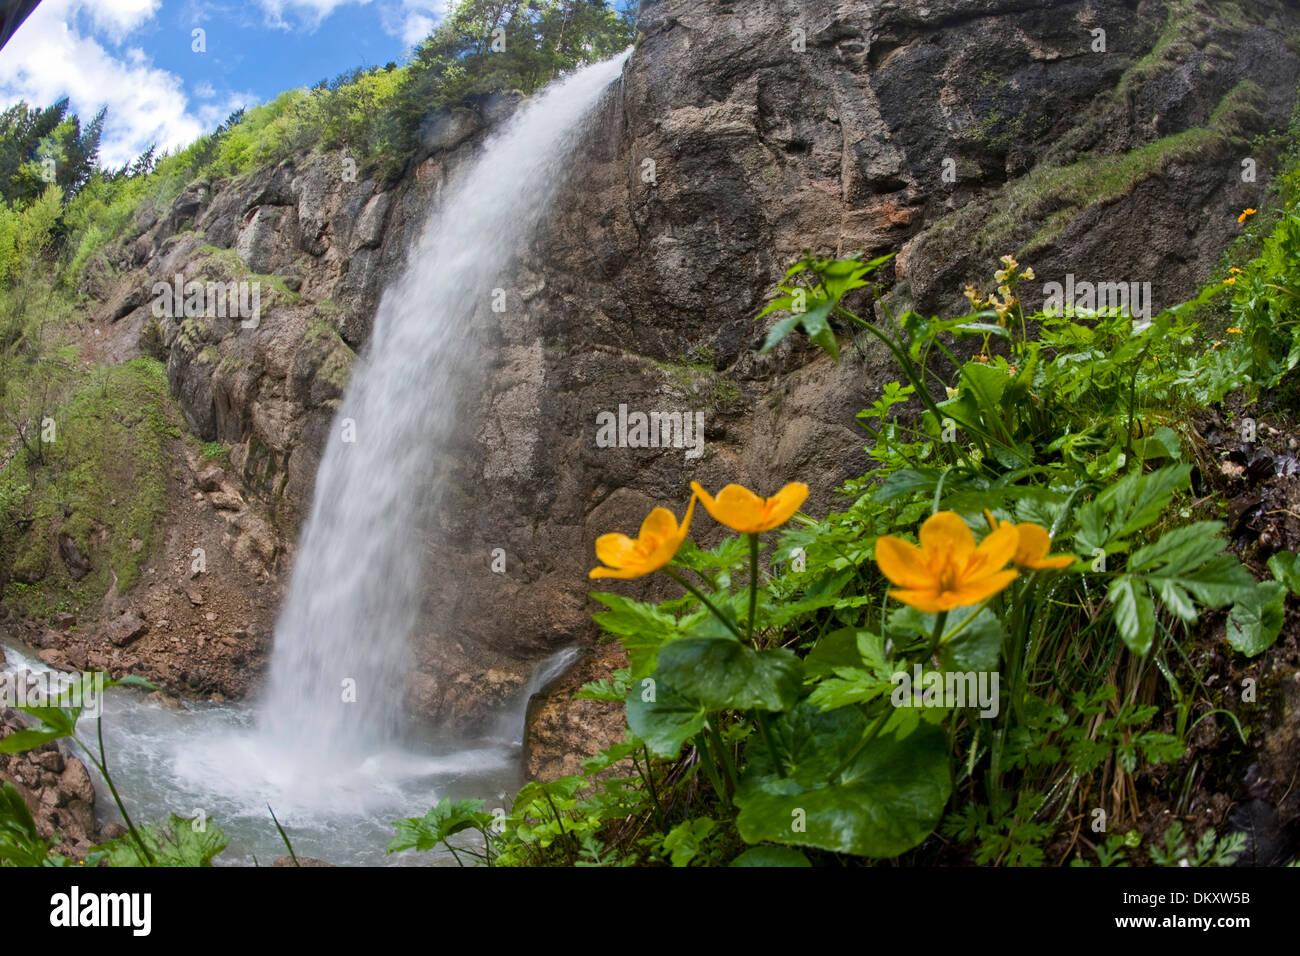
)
(764, 725)
(97, 485)
(1055, 195)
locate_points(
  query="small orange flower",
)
(948, 570)
(1235, 331)
(1231, 280)
(741, 510)
(658, 542)
(1245, 215)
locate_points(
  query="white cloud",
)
(307, 13)
(117, 18)
(50, 57)
(412, 20)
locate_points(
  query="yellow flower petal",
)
(975, 591)
(902, 563)
(741, 510)
(945, 535)
(657, 544)
(1035, 542)
(993, 553)
(925, 601)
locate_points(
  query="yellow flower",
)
(1028, 274)
(1035, 542)
(1231, 280)
(1235, 271)
(947, 570)
(1246, 214)
(742, 510)
(1236, 331)
(1001, 276)
(973, 294)
(1010, 262)
(656, 545)
(1004, 291)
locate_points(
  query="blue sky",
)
(136, 57)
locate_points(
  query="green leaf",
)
(1256, 619)
(977, 647)
(54, 723)
(20, 841)
(664, 719)
(778, 332)
(1165, 443)
(174, 843)
(816, 324)
(442, 821)
(683, 841)
(886, 799)
(1135, 613)
(724, 674)
(1285, 568)
(642, 627)
(837, 649)
(766, 855)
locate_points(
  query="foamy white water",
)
(355, 591)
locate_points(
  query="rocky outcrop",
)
(57, 789)
(1103, 138)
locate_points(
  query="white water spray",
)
(355, 591)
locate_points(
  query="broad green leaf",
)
(766, 855)
(1285, 568)
(976, 647)
(20, 841)
(887, 798)
(442, 821)
(664, 719)
(724, 674)
(642, 628)
(1256, 619)
(837, 649)
(778, 332)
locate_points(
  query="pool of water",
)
(206, 757)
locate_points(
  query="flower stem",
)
(939, 623)
(753, 586)
(703, 600)
(102, 766)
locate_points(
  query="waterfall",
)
(342, 643)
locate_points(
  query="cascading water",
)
(355, 589)
(337, 770)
